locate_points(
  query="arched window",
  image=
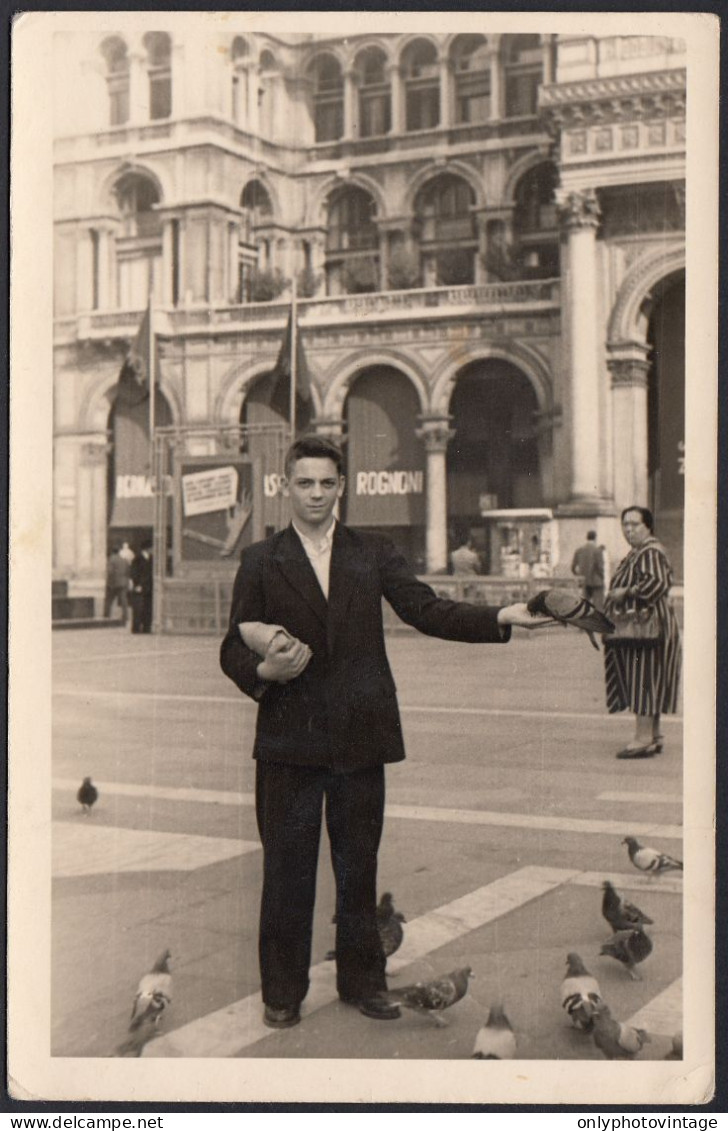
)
(535, 224)
(139, 241)
(116, 56)
(238, 58)
(470, 58)
(257, 234)
(267, 73)
(422, 85)
(523, 71)
(352, 243)
(447, 231)
(375, 100)
(159, 68)
(328, 98)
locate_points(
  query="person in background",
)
(588, 565)
(328, 721)
(126, 552)
(643, 679)
(142, 580)
(117, 584)
(465, 559)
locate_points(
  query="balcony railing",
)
(539, 294)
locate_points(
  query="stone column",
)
(446, 92)
(138, 88)
(628, 368)
(332, 427)
(496, 87)
(106, 289)
(435, 433)
(351, 107)
(167, 260)
(397, 95)
(580, 216)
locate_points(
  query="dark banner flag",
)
(281, 374)
(133, 500)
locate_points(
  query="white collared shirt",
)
(319, 554)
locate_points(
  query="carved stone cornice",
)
(435, 433)
(619, 98)
(578, 209)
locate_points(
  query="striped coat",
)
(639, 679)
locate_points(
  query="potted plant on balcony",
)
(404, 269)
(308, 283)
(266, 285)
(361, 276)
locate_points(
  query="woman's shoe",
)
(646, 751)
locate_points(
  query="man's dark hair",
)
(313, 447)
(647, 516)
(591, 535)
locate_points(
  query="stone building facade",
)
(487, 238)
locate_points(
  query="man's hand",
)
(285, 659)
(519, 616)
(619, 595)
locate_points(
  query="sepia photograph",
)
(350, 366)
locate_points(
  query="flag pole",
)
(151, 362)
(294, 351)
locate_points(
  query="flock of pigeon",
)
(581, 996)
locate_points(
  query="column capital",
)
(330, 428)
(628, 364)
(578, 210)
(435, 433)
(628, 372)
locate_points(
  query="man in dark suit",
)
(142, 579)
(328, 721)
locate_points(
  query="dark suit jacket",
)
(141, 573)
(342, 710)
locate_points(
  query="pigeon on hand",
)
(570, 610)
(495, 1040)
(431, 998)
(615, 1039)
(580, 994)
(389, 926)
(620, 913)
(87, 795)
(629, 947)
(649, 859)
(676, 1052)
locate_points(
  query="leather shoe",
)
(647, 751)
(281, 1018)
(376, 1007)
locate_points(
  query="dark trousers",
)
(118, 593)
(141, 612)
(289, 802)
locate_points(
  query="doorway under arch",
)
(666, 415)
(493, 459)
(266, 402)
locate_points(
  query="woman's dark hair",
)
(313, 447)
(646, 515)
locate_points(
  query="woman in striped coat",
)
(639, 678)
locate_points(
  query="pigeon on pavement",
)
(569, 609)
(629, 947)
(431, 998)
(495, 1040)
(389, 926)
(649, 859)
(154, 994)
(615, 1039)
(580, 994)
(87, 795)
(620, 913)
